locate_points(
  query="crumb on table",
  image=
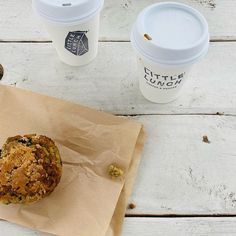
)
(131, 206)
(205, 139)
(219, 113)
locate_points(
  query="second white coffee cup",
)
(73, 26)
(168, 39)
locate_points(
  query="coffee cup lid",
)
(66, 11)
(170, 33)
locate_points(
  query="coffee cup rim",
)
(167, 55)
(69, 21)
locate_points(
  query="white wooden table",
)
(184, 186)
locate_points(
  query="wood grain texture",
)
(110, 82)
(19, 23)
(179, 173)
(152, 227)
(179, 226)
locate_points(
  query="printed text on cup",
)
(162, 81)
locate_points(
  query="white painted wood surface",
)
(110, 82)
(179, 174)
(179, 226)
(18, 22)
(152, 227)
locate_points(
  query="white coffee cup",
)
(73, 26)
(168, 39)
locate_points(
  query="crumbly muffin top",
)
(30, 168)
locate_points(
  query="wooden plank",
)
(152, 227)
(179, 226)
(110, 82)
(10, 229)
(18, 22)
(180, 174)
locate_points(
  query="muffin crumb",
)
(205, 139)
(132, 206)
(115, 171)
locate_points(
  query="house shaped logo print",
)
(77, 42)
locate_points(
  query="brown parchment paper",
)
(87, 202)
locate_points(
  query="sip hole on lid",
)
(170, 33)
(67, 11)
(147, 36)
(66, 4)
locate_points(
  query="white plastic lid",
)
(170, 33)
(67, 11)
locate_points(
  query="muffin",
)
(30, 169)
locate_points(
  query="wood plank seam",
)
(103, 41)
(210, 86)
(226, 215)
(177, 114)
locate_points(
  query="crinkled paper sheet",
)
(87, 202)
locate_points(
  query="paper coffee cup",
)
(73, 26)
(168, 39)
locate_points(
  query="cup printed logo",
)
(77, 42)
(162, 81)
